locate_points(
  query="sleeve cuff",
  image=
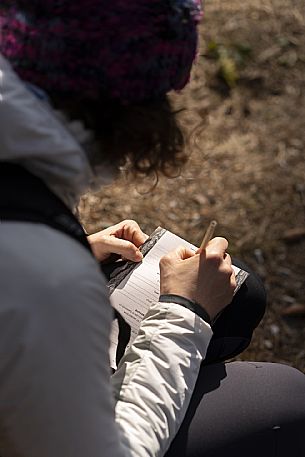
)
(189, 304)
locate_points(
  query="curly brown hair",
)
(147, 137)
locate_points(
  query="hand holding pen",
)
(206, 277)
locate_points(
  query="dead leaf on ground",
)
(296, 310)
(294, 235)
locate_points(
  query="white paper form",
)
(134, 295)
(141, 288)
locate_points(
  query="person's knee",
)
(284, 388)
(287, 408)
(292, 387)
(278, 404)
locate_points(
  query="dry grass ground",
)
(247, 165)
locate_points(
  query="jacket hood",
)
(33, 135)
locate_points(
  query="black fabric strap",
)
(189, 304)
(25, 197)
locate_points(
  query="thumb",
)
(124, 248)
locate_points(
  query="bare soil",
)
(246, 102)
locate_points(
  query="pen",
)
(208, 234)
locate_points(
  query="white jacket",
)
(57, 398)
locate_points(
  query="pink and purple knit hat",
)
(129, 50)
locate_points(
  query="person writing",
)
(83, 92)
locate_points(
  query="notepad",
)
(136, 286)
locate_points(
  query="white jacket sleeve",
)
(56, 395)
(156, 377)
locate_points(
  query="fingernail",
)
(139, 256)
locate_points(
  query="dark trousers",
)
(242, 408)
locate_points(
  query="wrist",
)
(186, 303)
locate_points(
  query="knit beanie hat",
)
(128, 50)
